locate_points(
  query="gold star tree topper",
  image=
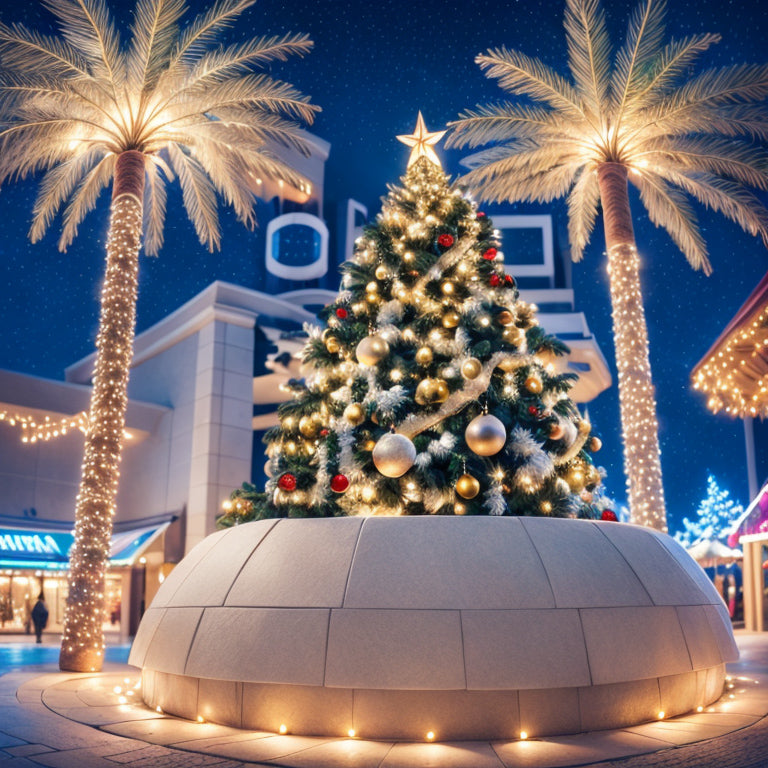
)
(422, 141)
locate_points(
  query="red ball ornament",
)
(480, 215)
(609, 514)
(490, 254)
(339, 483)
(342, 313)
(445, 241)
(533, 410)
(323, 432)
(509, 280)
(494, 280)
(287, 482)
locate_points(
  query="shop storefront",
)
(34, 557)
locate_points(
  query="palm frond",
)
(670, 64)
(87, 26)
(583, 202)
(741, 161)
(723, 196)
(199, 196)
(712, 89)
(251, 129)
(27, 51)
(668, 208)
(154, 32)
(228, 172)
(206, 26)
(589, 51)
(33, 145)
(749, 120)
(259, 91)
(525, 172)
(501, 122)
(522, 75)
(57, 185)
(215, 65)
(155, 200)
(644, 33)
(85, 198)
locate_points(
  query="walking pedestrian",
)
(40, 617)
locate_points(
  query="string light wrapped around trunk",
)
(642, 461)
(82, 648)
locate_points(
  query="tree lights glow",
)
(87, 111)
(82, 644)
(641, 115)
(431, 388)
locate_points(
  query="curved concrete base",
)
(468, 628)
(411, 715)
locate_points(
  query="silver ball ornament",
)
(394, 455)
(485, 435)
(372, 350)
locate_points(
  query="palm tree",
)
(643, 117)
(88, 111)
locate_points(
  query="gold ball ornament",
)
(451, 319)
(514, 335)
(372, 350)
(332, 344)
(382, 273)
(424, 356)
(372, 287)
(505, 317)
(426, 392)
(394, 455)
(308, 427)
(467, 486)
(533, 385)
(595, 444)
(472, 368)
(354, 414)
(485, 435)
(441, 390)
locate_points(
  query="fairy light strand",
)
(83, 638)
(735, 376)
(33, 430)
(642, 459)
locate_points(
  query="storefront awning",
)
(47, 549)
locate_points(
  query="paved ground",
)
(48, 718)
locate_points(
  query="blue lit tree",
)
(715, 515)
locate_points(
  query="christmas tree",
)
(432, 388)
(716, 514)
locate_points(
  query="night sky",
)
(375, 64)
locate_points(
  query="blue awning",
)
(48, 550)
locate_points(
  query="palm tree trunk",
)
(82, 645)
(642, 463)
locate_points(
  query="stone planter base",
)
(468, 628)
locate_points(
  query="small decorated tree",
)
(716, 514)
(432, 388)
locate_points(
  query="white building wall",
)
(222, 438)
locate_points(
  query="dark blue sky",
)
(375, 64)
